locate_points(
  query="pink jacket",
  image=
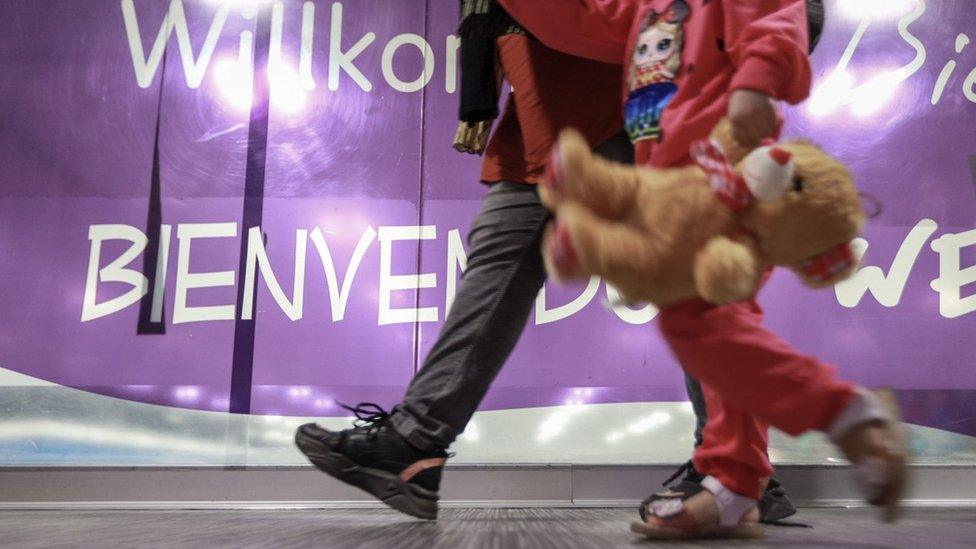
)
(682, 58)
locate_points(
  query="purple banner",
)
(136, 264)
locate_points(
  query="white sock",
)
(731, 506)
(863, 408)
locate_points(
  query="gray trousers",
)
(697, 399)
(497, 291)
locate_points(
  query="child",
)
(688, 64)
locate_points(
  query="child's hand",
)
(753, 117)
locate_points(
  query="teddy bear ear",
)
(830, 267)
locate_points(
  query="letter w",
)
(193, 67)
(887, 289)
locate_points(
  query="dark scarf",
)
(815, 21)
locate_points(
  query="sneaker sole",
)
(403, 496)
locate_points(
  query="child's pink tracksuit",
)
(683, 58)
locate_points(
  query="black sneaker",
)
(374, 457)
(773, 507)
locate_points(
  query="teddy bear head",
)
(805, 210)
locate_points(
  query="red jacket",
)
(682, 58)
(551, 90)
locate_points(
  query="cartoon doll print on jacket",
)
(656, 63)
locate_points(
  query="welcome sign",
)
(253, 206)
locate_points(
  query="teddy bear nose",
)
(780, 156)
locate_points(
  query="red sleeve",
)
(594, 29)
(767, 41)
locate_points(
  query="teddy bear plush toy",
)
(711, 229)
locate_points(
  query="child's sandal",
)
(870, 433)
(670, 518)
